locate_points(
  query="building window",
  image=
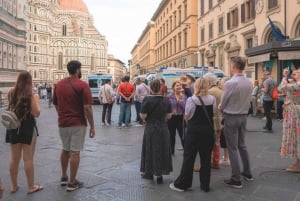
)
(60, 61)
(202, 8)
(93, 62)
(210, 4)
(232, 19)
(179, 42)
(185, 39)
(202, 59)
(175, 44)
(81, 31)
(221, 25)
(179, 15)
(248, 11)
(211, 31)
(174, 19)
(249, 43)
(202, 35)
(272, 4)
(185, 10)
(64, 30)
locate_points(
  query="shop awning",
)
(259, 58)
(289, 55)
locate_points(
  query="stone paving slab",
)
(110, 168)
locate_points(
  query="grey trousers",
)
(234, 131)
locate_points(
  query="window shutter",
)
(236, 18)
(253, 13)
(243, 13)
(228, 20)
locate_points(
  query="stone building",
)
(116, 68)
(12, 41)
(169, 40)
(231, 28)
(60, 31)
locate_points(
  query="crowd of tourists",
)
(207, 113)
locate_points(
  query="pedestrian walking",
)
(126, 90)
(73, 102)
(49, 95)
(156, 157)
(254, 97)
(177, 99)
(106, 97)
(268, 102)
(235, 104)
(25, 104)
(215, 91)
(290, 146)
(199, 112)
(142, 90)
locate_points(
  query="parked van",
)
(95, 81)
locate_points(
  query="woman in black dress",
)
(156, 151)
(199, 137)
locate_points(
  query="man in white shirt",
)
(142, 90)
(106, 97)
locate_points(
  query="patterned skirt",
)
(290, 146)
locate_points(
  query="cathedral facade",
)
(59, 31)
(12, 41)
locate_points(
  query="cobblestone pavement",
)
(110, 168)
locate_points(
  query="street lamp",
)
(213, 48)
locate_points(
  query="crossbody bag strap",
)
(76, 92)
(206, 113)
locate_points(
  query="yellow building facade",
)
(116, 68)
(229, 28)
(210, 32)
(169, 40)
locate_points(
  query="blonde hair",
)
(201, 87)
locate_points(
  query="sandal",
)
(293, 168)
(36, 189)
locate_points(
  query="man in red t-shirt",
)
(163, 87)
(73, 102)
(126, 91)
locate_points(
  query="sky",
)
(121, 22)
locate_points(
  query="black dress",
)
(156, 151)
(24, 133)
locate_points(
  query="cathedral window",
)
(60, 61)
(64, 30)
(93, 62)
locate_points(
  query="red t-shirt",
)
(126, 89)
(70, 103)
(163, 89)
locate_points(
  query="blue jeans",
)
(138, 111)
(125, 110)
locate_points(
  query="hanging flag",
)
(276, 32)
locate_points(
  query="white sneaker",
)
(139, 125)
(174, 188)
(264, 118)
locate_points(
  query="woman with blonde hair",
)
(199, 112)
(22, 141)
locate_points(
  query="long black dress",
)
(156, 151)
